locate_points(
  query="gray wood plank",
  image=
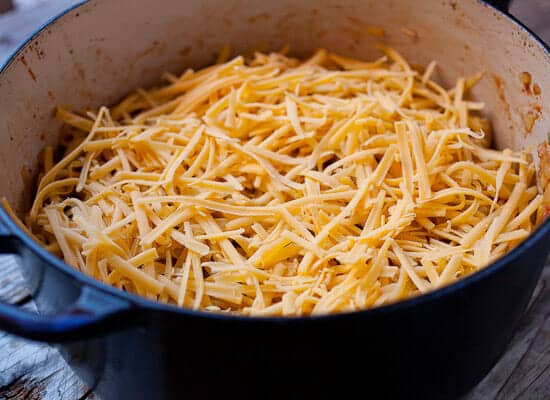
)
(12, 287)
(30, 370)
(522, 369)
(531, 377)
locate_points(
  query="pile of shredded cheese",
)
(279, 187)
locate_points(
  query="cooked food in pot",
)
(279, 187)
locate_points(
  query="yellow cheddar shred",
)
(274, 186)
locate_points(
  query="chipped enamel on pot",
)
(80, 65)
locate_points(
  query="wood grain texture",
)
(12, 287)
(523, 371)
(31, 370)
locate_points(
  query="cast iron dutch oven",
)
(438, 345)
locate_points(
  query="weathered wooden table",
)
(36, 371)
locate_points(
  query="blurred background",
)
(20, 18)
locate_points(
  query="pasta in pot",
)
(279, 187)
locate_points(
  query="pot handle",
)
(502, 5)
(92, 314)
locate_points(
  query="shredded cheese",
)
(272, 186)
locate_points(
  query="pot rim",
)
(542, 232)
